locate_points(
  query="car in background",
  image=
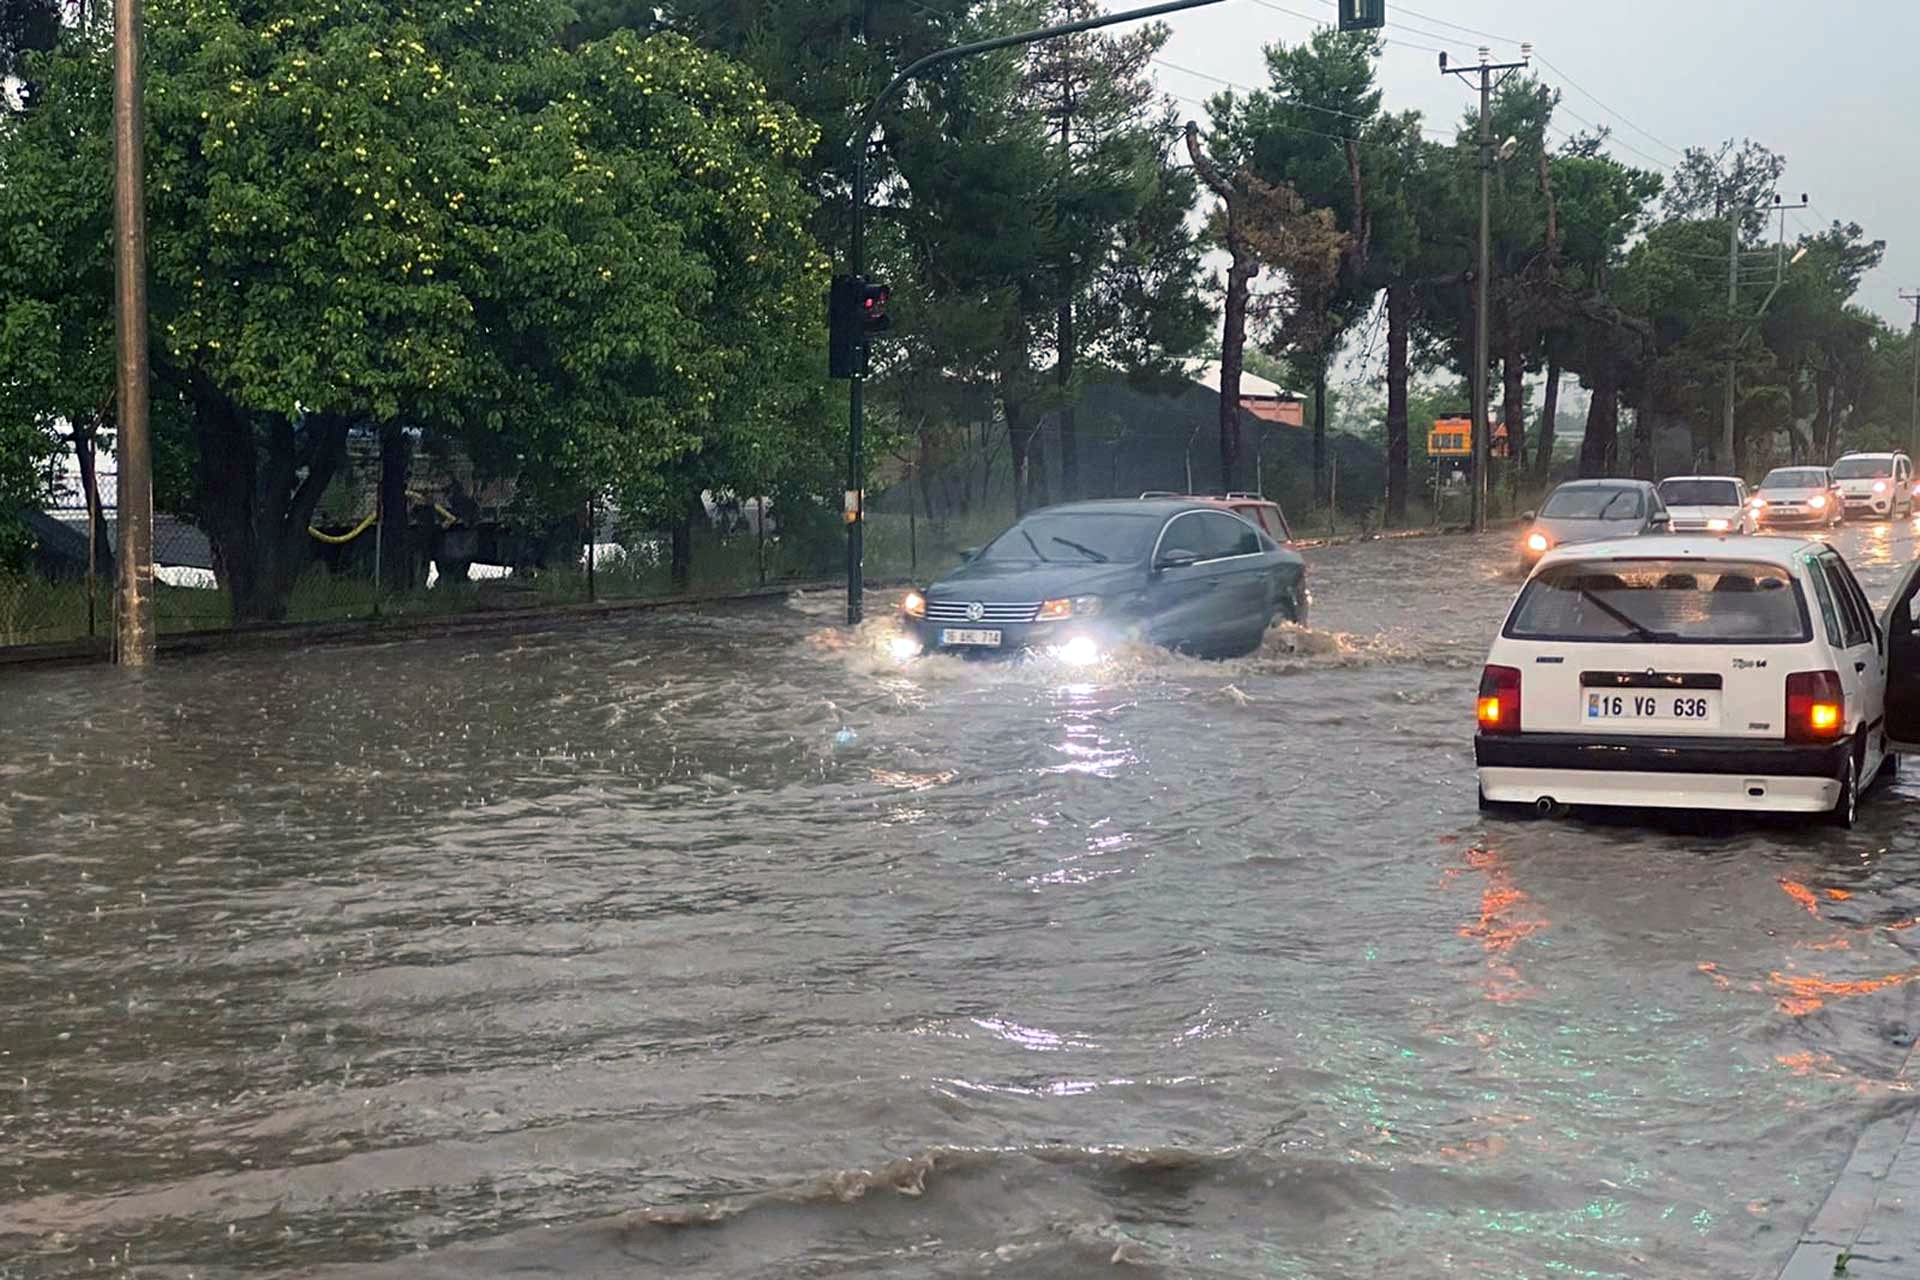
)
(1263, 513)
(1591, 510)
(1707, 504)
(1876, 485)
(1682, 672)
(1075, 579)
(1796, 495)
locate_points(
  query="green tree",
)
(591, 260)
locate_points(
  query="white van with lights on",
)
(1673, 672)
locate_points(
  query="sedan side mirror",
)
(1176, 558)
(1529, 516)
(968, 553)
(1660, 522)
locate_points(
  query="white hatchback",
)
(1730, 673)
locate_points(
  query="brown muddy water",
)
(725, 946)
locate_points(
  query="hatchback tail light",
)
(1816, 706)
(1500, 700)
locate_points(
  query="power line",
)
(1273, 97)
(1554, 67)
(1659, 165)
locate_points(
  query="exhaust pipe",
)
(1545, 806)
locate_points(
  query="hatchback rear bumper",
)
(1746, 792)
(1661, 772)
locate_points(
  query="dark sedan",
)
(1074, 579)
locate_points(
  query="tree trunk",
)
(1549, 419)
(1241, 270)
(1823, 414)
(680, 532)
(1399, 321)
(1643, 444)
(1069, 438)
(1598, 451)
(397, 570)
(1320, 489)
(1513, 403)
(86, 453)
(1021, 432)
(257, 505)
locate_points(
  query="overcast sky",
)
(1832, 87)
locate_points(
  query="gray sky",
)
(1832, 87)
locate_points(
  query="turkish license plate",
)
(1653, 706)
(964, 635)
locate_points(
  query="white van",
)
(1875, 485)
(1698, 673)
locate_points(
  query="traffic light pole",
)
(856, 407)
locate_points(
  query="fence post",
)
(760, 538)
(593, 548)
(1333, 497)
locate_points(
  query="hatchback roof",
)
(1679, 546)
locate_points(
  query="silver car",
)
(1592, 511)
(1798, 495)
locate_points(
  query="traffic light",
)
(856, 310)
(873, 308)
(1362, 15)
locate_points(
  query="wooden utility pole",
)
(133, 638)
(1913, 340)
(1481, 453)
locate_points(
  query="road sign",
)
(1362, 15)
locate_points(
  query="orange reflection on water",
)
(1507, 916)
(1804, 995)
(1802, 895)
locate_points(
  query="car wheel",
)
(1846, 809)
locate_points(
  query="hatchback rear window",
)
(1699, 493)
(1662, 602)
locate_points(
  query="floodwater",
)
(725, 946)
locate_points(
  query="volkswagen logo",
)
(976, 611)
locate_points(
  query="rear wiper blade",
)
(1640, 629)
(1088, 552)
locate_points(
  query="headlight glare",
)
(915, 605)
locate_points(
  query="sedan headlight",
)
(1538, 543)
(1074, 607)
(1818, 502)
(915, 605)
(1758, 503)
(1717, 525)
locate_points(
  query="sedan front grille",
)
(961, 611)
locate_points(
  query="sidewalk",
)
(1871, 1220)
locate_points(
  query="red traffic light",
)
(873, 307)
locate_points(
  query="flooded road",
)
(726, 947)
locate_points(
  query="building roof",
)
(1251, 384)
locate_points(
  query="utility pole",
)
(133, 644)
(1913, 340)
(1734, 214)
(1481, 431)
(862, 140)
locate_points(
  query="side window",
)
(1185, 533)
(1869, 625)
(1268, 518)
(1855, 619)
(1230, 536)
(1824, 593)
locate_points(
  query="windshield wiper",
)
(1640, 629)
(1035, 546)
(1086, 551)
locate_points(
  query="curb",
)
(296, 635)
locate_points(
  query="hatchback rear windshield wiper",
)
(1086, 551)
(1640, 629)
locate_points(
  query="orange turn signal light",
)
(1824, 717)
(1055, 610)
(1489, 712)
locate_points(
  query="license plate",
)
(989, 639)
(1653, 706)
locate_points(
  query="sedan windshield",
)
(1593, 504)
(1795, 478)
(1699, 493)
(1862, 468)
(1662, 602)
(1077, 538)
